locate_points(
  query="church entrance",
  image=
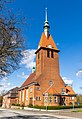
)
(62, 100)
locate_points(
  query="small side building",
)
(10, 97)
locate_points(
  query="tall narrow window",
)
(50, 99)
(27, 94)
(23, 95)
(20, 94)
(31, 89)
(63, 90)
(58, 99)
(38, 98)
(38, 55)
(52, 54)
(55, 99)
(48, 53)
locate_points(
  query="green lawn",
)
(77, 111)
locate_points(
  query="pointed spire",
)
(46, 15)
(46, 24)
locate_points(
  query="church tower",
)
(47, 60)
(47, 52)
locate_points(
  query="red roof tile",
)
(29, 80)
(44, 42)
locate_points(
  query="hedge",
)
(56, 107)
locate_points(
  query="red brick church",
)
(45, 85)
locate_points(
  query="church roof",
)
(29, 80)
(52, 90)
(47, 41)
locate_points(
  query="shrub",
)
(22, 105)
(15, 104)
(30, 105)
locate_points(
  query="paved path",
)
(20, 114)
(26, 114)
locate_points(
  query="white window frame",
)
(55, 99)
(31, 89)
(50, 99)
(72, 98)
(38, 98)
(20, 94)
(23, 95)
(26, 94)
(38, 88)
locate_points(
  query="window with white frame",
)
(20, 94)
(58, 99)
(26, 94)
(55, 99)
(50, 99)
(38, 98)
(63, 90)
(31, 89)
(23, 95)
(71, 98)
(38, 88)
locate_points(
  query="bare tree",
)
(3, 2)
(11, 42)
(1, 96)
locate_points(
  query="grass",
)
(56, 107)
(77, 111)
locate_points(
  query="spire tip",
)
(46, 24)
(46, 15)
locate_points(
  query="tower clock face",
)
(51, 82)
(49, 46)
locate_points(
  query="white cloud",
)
(28, 58)
(23, 75)
(79, 74)
(5, 78)
(67, 81)
(5, 85)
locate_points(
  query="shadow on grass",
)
(28, 117)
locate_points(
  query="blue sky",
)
(65, 19)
